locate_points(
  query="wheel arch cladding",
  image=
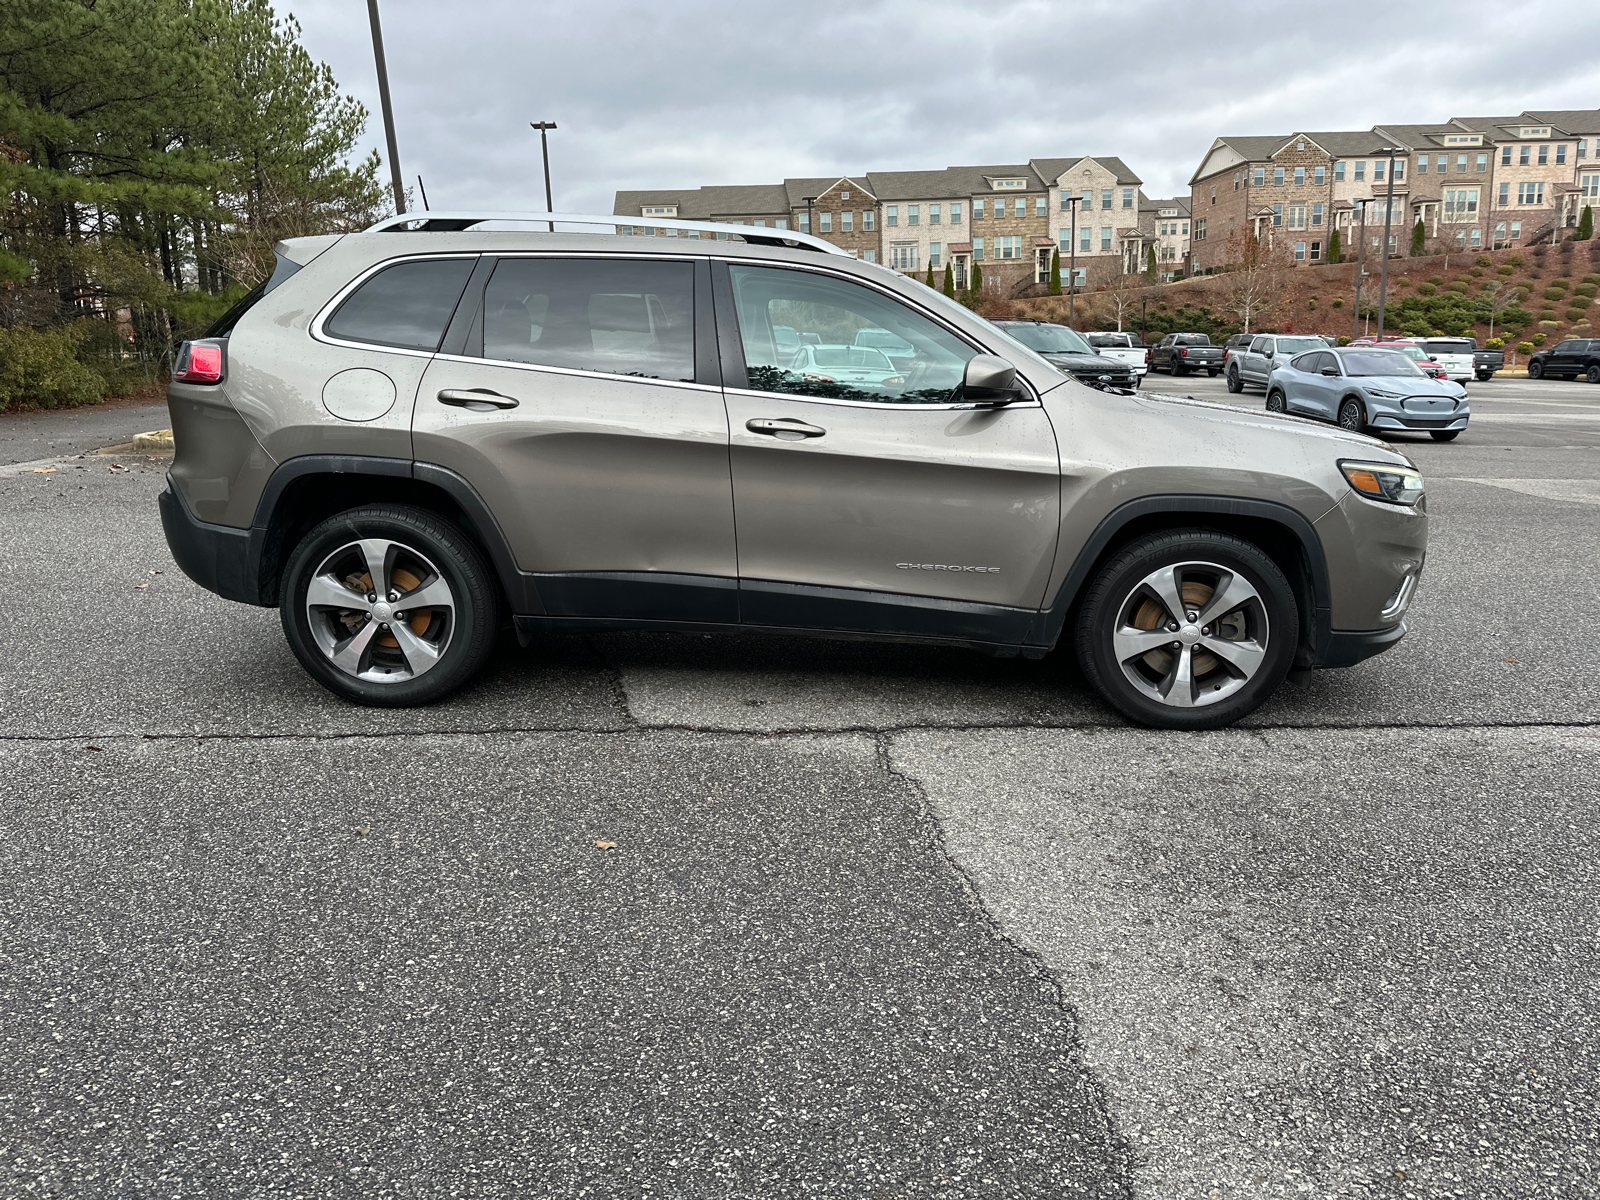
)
(1282, 533)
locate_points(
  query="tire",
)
(1484, 378)
(1444, 435)
(1535, 370)
(1177, 370)
(1122, 614)
(1277, 402)
(1215, 373)
(418, 660)
(1593, 374)
(1352, 416)
(1235, 384)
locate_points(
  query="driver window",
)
(806, 334)
(1259, 346)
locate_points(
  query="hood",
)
(1084, 364)
(1207, 413)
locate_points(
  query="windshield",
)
(1049, 339)
(1299, 345)
(884, 340)
(1379, 362)
(1451, 345)
(1026, 357)
(1414, 353)
(1121, 341)
(850, 356)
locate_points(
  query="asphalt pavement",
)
(671, 915)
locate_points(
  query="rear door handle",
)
(477, 399)
(787, 428)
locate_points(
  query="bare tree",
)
(1123, 295)
(1257, 273)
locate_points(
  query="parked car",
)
(1253, 363)
(1123, 347)
(406, 434)
(1181, 353)
(856, 366)
(1425, 362)
(896, 348)
(1062, 347)
(1571, 358)
(1486, 362)
(1369, 387)
(1457, 355)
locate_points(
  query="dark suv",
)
(406, 436)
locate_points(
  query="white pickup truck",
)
(1124, 347)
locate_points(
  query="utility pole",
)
(1388, 216)
(810, 200)
(544, 128)
(1361, 267)
(424, 193)
(1072, 251)
(388, 109)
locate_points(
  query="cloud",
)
(691, 93)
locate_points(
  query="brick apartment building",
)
(1006, 218)
(1171, 221)
(1474, 182)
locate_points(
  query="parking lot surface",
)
(671, 915)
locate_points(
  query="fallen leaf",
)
(96, 749)
(44, 470)
(1510, 660)
(363, 830)
(139, 587)
(605, 845)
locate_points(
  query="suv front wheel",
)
(1190, 629)
(389, 605)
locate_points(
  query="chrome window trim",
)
(549, 370)
(339, 297)
(933, 315)
(960, 406)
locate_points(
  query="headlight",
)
(1380, 394)
(1384, 481)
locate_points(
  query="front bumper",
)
(1398, 414)
(217, 557)
(1345, 647)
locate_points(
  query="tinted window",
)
(1191, 339)
(1259, 346)
(1048, 339)
(1297, 345)
(1451, 345)
(1307, 362)
(407, 305)
(617, 318)
(1378, 362)
(1569, 347)
(830, 313)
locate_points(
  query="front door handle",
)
(788, 428)
(477, 399)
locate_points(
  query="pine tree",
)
(929, 279)
(949, 281)
(1586, 224)
(1150, 264)
(1419, 239)
(1055, 272)
(1335, 254)
(975, 293)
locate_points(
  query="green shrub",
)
(1311, 304)
(1344, 339)
(40, 367)
(1426, 289)
(1586, 290)
(1574, 314)
(1539, 338)
(1524, 347)
(1514, 261)
(1591, 278)
(1475, 272)
(1338, 303)
(1483, 260)
(1506, 269)
(1459, 287)
(1436, 280)
(1494, 344)
(1581, 328)
(1555, 293)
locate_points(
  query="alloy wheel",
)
(380, 611)
(1350, 416)
(1191, 634)
(1276, 403)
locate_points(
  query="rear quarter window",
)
(406, 306)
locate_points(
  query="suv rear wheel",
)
(1190, 629)
(1235, 384)
(389, 606)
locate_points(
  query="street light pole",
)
(544, 128)
(1388, 216)
(388, 110)
(1072, 257)
(1361, 266)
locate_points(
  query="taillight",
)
(199, 362)
(1183, 354)
(1147, 356)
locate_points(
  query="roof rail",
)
(455, 220)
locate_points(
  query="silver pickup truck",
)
(1124, 347)
(1253, 363)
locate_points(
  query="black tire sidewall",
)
(1121, 574)
(1279, 396)
(458, 560)
(1361, 421)
(1445, 435)
(1535, 370)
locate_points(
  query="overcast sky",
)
(689, 93)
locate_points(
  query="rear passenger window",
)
(616, 318)
(407, 305)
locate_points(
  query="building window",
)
(780, 223)
(1214, 194)
(1300, 251)
(1583, 148)
(1277, 176)
(1105, 237)
(1320, 176)
(760, 222)
(869, 256)
(955, 214)
(1277, 214)
(1530, 193)
(1008, 247)
(1477, 237)
(1505, 195)
(1522, 155)
(1399, 169)
(1544, 156)
(1316, 213)
(1422, 164)
(869, 221)
(933, 252)
(933, 214)
(1516, 230)
(1299, 177)
(1561, 153)
(1500, 232)
(1127, 197)
(1316, 250)
(1482, 163)
(1589, 185)
(1297, 216)
(1361, 171)
(1085, 239)
(804, 222)
(1088, 199)
(1505, 156)
(1338, 171)
(1461, 164)
(891, 215)
(913, 214)
(1460, 206)
(844, 195)
(977, 243)
(903, 256)
(1259, 176)
(1200, 230)
(1377, 172)
(977, 209)
(825, 222)
(847, 222)
(1041, 205)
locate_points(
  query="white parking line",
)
(1577, 491)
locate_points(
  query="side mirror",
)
(1330, 370)
(990, 378)
(1268, 352)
